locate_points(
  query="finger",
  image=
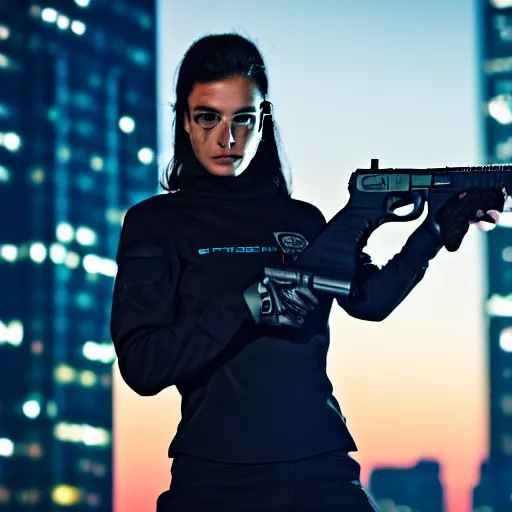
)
(307, 294)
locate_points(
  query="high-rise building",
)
(495, 70)
(78, 134)
(419, 488)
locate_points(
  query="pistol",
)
(329, 262)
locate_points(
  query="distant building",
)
(418, 487)
(77, 148)
(495, 68)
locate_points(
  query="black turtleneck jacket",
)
(249, 393)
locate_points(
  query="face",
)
(223, 122)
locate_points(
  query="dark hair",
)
(220, 57)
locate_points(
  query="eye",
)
(245, 120)
(207, 120)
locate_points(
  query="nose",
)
(226, 139)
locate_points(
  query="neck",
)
(254, 182)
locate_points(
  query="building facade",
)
(495, 69)
(415, 488)
(78, 132)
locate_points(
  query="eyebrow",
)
(202, 108)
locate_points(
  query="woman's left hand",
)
(484, 225)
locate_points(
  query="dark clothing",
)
(326, 483)
(250, 394)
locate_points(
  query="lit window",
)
(63, 154)
(96, 163)
(4, 174)
(31, 409)
(126, 124)
(49, 15)
(146, 156)
(36, 347)
(78, 27)
(65, 232)
(501, 4)
(506, 339)
(37, 252)
(37, 176)
(64, 374)
(500, 108)
(11, 333)
(57, 253)
(72, 260)
(9, 252)
(66, 495)
(4, 32)
(85, 236)
(63, 22)
(6, 447)
(11, 141)
(87, 378)
(102, 352)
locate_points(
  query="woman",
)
(260, 429)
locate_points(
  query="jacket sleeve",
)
(379, 291)
(157, 346)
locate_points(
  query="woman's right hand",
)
(277, 302)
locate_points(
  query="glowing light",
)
(4, 32)
(86, 434)
(95, 265)
(126, 124)
(65, 232)
(78, 28)
(102, 352)
(146, 156)
(64, 374)
(82, 3)
(37, 252)
(9, 252)
(87, 378)
(72, 260)
(506, 340)
(57, 253)
(12, 141)
(85, 236)
(4, 174)
(11, 333)
(501, 4)
(49, 15)
(31, 409)
(63, 22)
(6, 447)
(66, 495)
(500, 108)
(96, 163)
(63, 154)
(499, 305)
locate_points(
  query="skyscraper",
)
(495, 68)
(77, 148)
(419, 488)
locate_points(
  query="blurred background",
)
(85, 130)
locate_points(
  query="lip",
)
(226, 159)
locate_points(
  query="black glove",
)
(451, 222)
(280, 301)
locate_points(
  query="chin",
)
(221, 170)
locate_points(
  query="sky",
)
(352, 80)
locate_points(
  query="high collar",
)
(253, 183)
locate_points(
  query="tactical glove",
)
(451, 222)
(280, 301)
